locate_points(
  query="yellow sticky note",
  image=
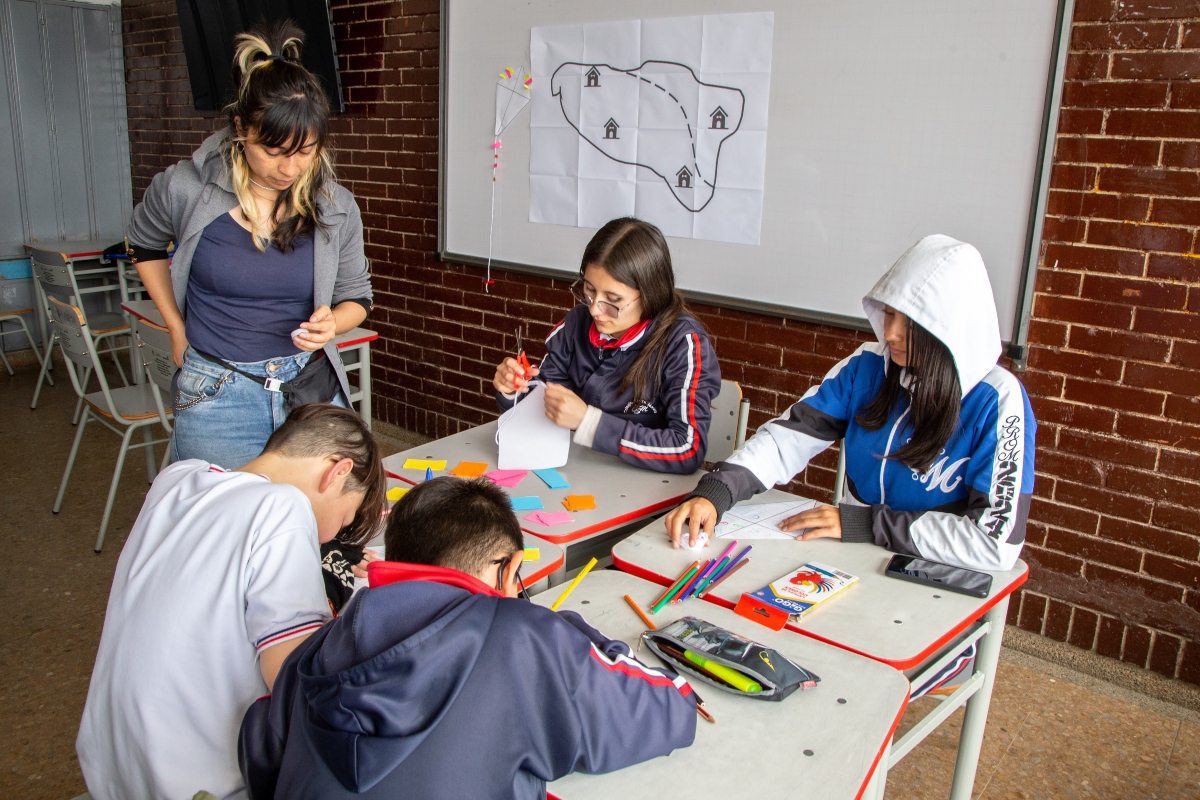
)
(396, 492)
(470, 469)
(424, 463)
(579, 502)
(533, 554)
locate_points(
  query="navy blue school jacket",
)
(431, 685)
(668, 432)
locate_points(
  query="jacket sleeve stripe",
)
(687, 412)
(555, 330)
(634, 669)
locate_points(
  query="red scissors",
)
(522, 361)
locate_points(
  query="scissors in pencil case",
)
(522, 360)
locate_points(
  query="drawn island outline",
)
(633, 73)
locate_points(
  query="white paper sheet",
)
(663, 119)
(761, 521)
(527, 439)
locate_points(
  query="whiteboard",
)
(888, 121)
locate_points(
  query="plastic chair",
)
(55, 277)
(15, 316)
(727, 431)
(122, 410)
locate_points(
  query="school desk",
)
(625, 495)
(822, 742)
(550, 556)
(354, 346)
(911, 627)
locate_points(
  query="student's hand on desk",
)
(563, 407)
(360, 569)
(699, 514)
(320, 328)
(823, 522)
(509, 377)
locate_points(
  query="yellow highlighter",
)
(731, 676)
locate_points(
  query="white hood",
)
(942, 285)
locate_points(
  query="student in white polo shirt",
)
(219, 581)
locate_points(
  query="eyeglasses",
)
(503, 564)
(606, 308)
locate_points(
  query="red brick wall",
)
(1114, 543)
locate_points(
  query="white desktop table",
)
(625, 495)
(905, 625)
(822, 742)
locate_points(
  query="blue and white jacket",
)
(970, 507)
(666, 433)
(432, 685)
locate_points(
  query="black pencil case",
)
(777, 675)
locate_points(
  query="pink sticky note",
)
(506, 477)
(549, 518)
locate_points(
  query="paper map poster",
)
(662, 119)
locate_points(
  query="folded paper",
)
(506, 477)
(527, 439)
(579, 502)
(470, 469)
(425, 463)
(396, 492)
(527, 503)
(549, 518)
(552, 478)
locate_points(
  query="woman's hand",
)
(823, 522)
(510, 378)
(564, 407)
(318, 331)
(179, 344)
(699, 514)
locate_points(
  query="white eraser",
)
(303, 334)
(701, 540)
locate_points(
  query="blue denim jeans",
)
(226, 418)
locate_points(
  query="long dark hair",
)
(935, 395)
(280, 105)
(635, 253)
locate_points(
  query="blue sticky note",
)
(529, 503)
(552, 478)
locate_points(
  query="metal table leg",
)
(971, 740)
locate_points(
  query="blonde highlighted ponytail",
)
(279, 104)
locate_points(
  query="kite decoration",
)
(512, 95)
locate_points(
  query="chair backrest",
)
(154, 344)
(723, 430)
(52, 269)
(71, 332)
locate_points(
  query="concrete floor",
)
(1053, 731)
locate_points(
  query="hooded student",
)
(939, 439)
(629, 369)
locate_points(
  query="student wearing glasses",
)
(629, 369)
(437, 682)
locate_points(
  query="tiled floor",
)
(1047, 736)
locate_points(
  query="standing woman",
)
(268, 265)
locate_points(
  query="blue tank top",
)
(242, 304)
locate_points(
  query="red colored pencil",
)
(671, 588)
(693, 582)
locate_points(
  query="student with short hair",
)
(437, 682)
(218, 581)
(630, 370)
(939, 438)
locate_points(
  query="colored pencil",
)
(687, 587)
(666, 598)
(570, 588)
(733, 562)
(674, 583)
(728, 572)
(712, 575)
(637, 610)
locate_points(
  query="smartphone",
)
(940, 576)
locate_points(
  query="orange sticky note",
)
(579, 502)
(470, 469)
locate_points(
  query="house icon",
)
(610, 129)
(718, 119)
(593, 77)
(683, 178)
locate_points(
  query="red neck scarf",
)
(628, 336)
(381, 573)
